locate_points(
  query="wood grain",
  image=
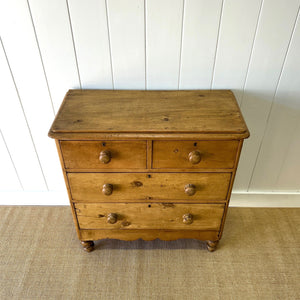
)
(240, 146)
(143, 136)
(149, 153)
(149, 112)
(57, 143)
(149, 216)
(152, 184)
(175, 154)
(124, 154)
(147, 235)
(130, 187)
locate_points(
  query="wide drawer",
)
(149, 216)
(104, 187)
(104, 154)
(194, 154)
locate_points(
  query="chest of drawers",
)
(149, 164)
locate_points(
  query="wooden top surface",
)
(152, 112)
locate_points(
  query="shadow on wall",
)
(269, 160)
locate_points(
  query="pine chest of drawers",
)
(149, 164)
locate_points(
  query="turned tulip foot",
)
(211, 245)
(88, 246)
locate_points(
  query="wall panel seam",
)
(12, 161)
(145, 42)
(251, 52)
(73, 41)
(217, 44)
(109, 45)
(272, 104)
(41, 57)
(23, 111)
(181, 41)
(291, 139)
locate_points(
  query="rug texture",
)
(257, 258)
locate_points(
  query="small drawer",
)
(104, 154)
(149, 216)
(129, 187)
(194, 154)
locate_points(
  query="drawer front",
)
(106, 187)
(194, 154)
(149, 216)
(104, 154)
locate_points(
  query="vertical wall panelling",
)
(15, 129)
(270, 47)
(126, 29)
(52, 26)
(8, 176)
(89, 24)
(24, 58)
(237, 30)
(281, 144)
(251, 47)
(200, 33)
(288, 179)
(163, 34)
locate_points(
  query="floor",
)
(257, 258)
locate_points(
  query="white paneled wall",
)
(163, 43)
(91, 42)
(251, 47)
(199, 43)
(238, 26)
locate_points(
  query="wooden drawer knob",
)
(112, 218)
(195, 157)
(190, 189)
(107, 189)
(187, 218)
(105, 156)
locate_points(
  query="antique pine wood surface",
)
(106, 111)
(147, 234)
(67, 185)
(124, 154)
(147, 170)
(148, 186)
(122, 151)
(149, 216)
(144, 136)
(174, 154)
(230, 186)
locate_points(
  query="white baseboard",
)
(34, 198)
(265, 200)
(237, 199)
